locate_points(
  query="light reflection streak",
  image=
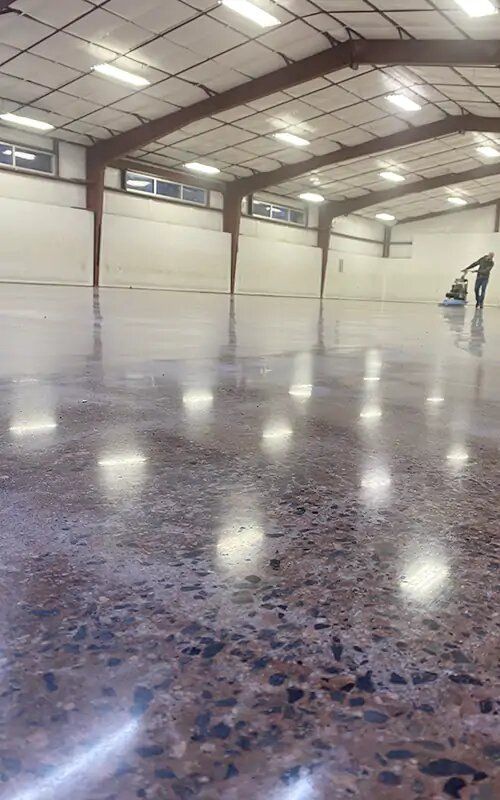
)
(33, 427)
(122, 461)
(371, 413)
(79, 767)
(302, 789)
(235, 548)
(197, 399)
(302, 391)
(425, 578)
(458, 455)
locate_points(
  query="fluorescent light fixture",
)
(386, 217)
(195, 166)
(477, 8)
(137, 184)
(488, 151)
(125, 461)
(27, 122)
(403, 102)
(302, 391)
(371, 378)
(457, 201)
(290, 138)
(311, 197)
(117, 74)
(252, 12)
(392, 176)
(435, 400)
(33, 427)
(25, 156)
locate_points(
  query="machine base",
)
(448, 301)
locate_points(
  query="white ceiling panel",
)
(190, 50)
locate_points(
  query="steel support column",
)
(497, 217)
(95, 204)
(231, 224)
(387, 242)
(324, 234)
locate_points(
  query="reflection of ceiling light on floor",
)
(197, 398)
(435, 399)
(377, 480)
(458, 455)
(371, 378)
(33, 427)
(238, 547)
(425, 578)
(371, 413)
(61, 780)
(302, 391)
(122, 461)
(277, 433)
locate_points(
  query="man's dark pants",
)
(480, 288)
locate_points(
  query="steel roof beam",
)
(355, 52)
(444, 127)
(445, 213)
(341, 209)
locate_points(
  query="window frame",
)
(25, 147)
(281, 207)
(126, 173)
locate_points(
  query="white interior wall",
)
(145, 253)
(278, 232)
(474, 220)
(140, 207)
(277, 268)
(425, 277)
(357, 235)
(56, 246)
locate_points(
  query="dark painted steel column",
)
(95, 204)
(386, 252)
(231, 224)
(324, 233)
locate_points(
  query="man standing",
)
(485, 265)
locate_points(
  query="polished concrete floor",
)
(250, 549)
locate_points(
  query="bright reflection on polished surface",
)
(301, 391)
(425, 578)
(276, 435)
(64, 780)
(220, 581)
(238, 548)
(458, 455)
(198, 399)
(35, 426)
(122, 461)
(371, 413)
